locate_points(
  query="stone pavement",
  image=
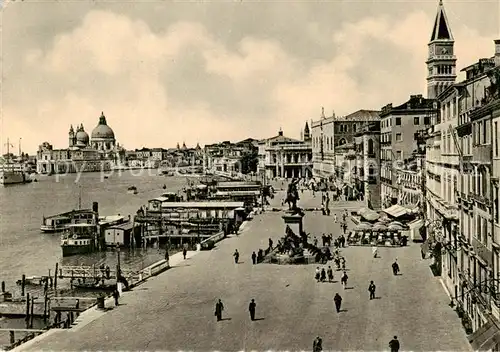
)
(175, 310)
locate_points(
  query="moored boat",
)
(79, 239)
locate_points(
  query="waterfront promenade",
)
(175, 310)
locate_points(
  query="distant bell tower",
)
(307, 132)
(441, 63)
(71, 136)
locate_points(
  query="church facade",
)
(99, 152)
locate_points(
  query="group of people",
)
(219, 307)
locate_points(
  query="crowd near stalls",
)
(393, 226)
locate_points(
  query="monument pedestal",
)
(294, 221)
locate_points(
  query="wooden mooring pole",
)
(3, 286)
(23, 284)
(55, 279)
(32, 309)
(27, 310)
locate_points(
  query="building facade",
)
(329, 133)
(367, 179)
(402, 147)
(284, 157)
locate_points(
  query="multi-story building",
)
(477, 243)
(227, 156)
(367, 178)
(329, 133)
(345, 169)
(403, 148)
(285, 157)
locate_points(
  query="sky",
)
(168, 72)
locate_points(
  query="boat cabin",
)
(119, 235)
(203, 210)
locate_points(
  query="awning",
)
(416, 224)
(396, 211)
(485, 338)
(369, 214)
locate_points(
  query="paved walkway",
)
(175, 310)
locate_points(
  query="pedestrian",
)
(394, 344)
(330, 274)
(184, 252)
(254, 258)
(317, 274)
(167, 257)
(375, 251)
(251, 309)
(395, 267)
(342, 260)
(335, 218)
(323, 239)
(270, 244)
(116, 295)
(315, 242)
(236, 256)
(219, 307)
(318, 344)
(371, 289)
(323, 275)
(338, 302)
(343, 280)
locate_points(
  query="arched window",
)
(370, 147)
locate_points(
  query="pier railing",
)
(82, 272)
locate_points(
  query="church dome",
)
(103, 131)
(82, 137)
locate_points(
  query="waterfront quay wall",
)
(73, 166)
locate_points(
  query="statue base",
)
(294, 221)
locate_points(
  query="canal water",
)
(24, 249)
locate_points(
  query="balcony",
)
(481, 154)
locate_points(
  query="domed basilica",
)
(97, 153)
(103, 137)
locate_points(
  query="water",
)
(24, 249)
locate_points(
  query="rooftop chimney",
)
(497, 52)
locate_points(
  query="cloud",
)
(185, 83)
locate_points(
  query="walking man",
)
(371, 289)
(251, 309)
(219, 307)
(317, 344)
(395, 267)
(236, 256)
(394, 344)
(184, 252)
(254, 258)
(343, 280)
(270, 243)
(330, 274)
(335, 218)
(338, 302)
(116, 295)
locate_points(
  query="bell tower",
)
(441, 62)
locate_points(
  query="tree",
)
(249, 162)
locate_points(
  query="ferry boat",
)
(13, 173)
(57, 223)
(11, 176)
(79, 239)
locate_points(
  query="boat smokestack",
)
(95, 207)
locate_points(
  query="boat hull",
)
(13, 177)
(72, 249)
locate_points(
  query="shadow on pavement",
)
(350, 288)
(259, 319)
(226, 319)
